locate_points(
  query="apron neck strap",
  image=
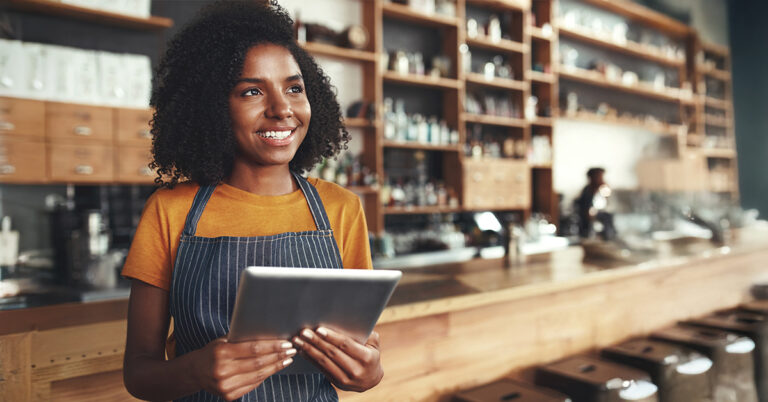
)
(310, 194)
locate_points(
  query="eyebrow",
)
(295, 77)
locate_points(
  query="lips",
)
(277, 136)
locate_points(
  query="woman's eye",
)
(296, 89)
(251, 92)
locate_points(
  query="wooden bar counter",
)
(447, 328)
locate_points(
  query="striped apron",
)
(206, 275)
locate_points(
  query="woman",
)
(240, 110)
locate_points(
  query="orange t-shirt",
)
(234, 212)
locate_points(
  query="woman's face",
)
(269, 107)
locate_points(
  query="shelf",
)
(597, 79)
(503, 83)
(719, 50)
(718, 152)
(546, 78)
(358, 122)
(716, 103)
(500, 4)
(408, 14)
(421, 146)
(643, 15)
(541, 166)
(495, 120)
(651, 53)
(716, 73)
(717, 121)
(542, 121)
(669, 130)
(88, 14)
(420, 210)
(421, 80)
(503, 45)
(322, 49)
(538, 33)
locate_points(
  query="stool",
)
(752, 325)
(589, 379)
(731, 355)
(509, 390)
(682, 375)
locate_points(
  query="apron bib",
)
(206, 275)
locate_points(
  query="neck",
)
(262, 180)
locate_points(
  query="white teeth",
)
(279, 135)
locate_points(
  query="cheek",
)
(303, 111)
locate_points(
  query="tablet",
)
(276, 303)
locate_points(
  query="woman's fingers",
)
(346, 344)
(237, 385)
(251, 364)
(244, 350)
(308, 344)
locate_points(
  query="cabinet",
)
(52, 142)
(496, 185)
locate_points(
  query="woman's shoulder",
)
(333, 192)
(180, 195)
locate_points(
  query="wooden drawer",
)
(22, 160)
(132, 164)
(78, 122)
(132, 126)
(74, 163)
(22, 117)
(497, 184)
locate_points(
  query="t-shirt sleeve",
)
(356, 251)
(149, 259)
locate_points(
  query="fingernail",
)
(287, 362)
(307, 334)
(322, 331)
(286, 345)
(298, 341)
(290, 352)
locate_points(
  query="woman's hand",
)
(350, 365)
(230, 370)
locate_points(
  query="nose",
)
(279, 107)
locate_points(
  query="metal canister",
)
(589, 379)
(731, 355)
(749, 324)
(509, 390)
(682, 374)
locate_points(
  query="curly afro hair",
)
(191, 128)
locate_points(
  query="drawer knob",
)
(7, 126)
(145, 171)
(83, 130)
(84, 169)
(145, 133)
(7, 169)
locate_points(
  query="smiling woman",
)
(240, 112)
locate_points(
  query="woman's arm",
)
(221, 368)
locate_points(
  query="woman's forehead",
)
(269, 61)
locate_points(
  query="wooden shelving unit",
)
(406, 13)
(599, 80)
(502, 83)
(421, 146)
(503, 45)
(359, 122)
(546, 78)
(419, 80)
(633, 49)
(88, 14)
(322, 49)
(495, 120)
(661, 129)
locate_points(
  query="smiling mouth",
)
(275, 135)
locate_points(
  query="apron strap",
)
(315, 203)
(310, 193)
(196, 211)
